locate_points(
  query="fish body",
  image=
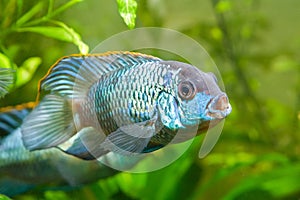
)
(21, 170)
(121, 102)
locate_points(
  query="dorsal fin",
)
(12, 117)
(84, 70)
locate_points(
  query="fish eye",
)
(186, 90)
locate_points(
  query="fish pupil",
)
(185, 90)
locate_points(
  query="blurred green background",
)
(256, 46)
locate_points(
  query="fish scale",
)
(136, 90)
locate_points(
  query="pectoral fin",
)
(130, 139)
(126, 140)
(86, 144)
(211, 139)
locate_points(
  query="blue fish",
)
(121, 102)
(22, 170)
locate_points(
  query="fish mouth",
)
(218, 107)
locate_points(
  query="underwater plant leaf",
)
(28, 15)
(76, 38)
(127, 10)
(64, 7)
(4, 61)
(278, 183)
(48, 31)
(3, 197)
(7, 74)
(26, 70)
(223, 6)
(63, 33)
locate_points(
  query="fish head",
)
(200, 100)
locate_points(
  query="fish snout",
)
(219, 107)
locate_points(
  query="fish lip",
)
(215, 113)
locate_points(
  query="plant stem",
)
(237, 68)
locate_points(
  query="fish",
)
(6, 80)
(123, 102)
(22, 170)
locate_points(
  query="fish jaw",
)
(205, 108)
(194, 111)
(219, 107)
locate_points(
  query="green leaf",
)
(216, 33)
(63, 7)
(27, 16)
(53, 195)
(63, 33)
(284, 63)
(6, 80)
(7, 74)
(76, 38)
(223, 6)
(26, 71)
(4, 61)
(130, 182)
(2, 197)
(48, 31)
(127, 10)
(279, 182)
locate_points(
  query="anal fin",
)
(86, 144)
(130, 139)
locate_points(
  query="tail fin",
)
(12, 117)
